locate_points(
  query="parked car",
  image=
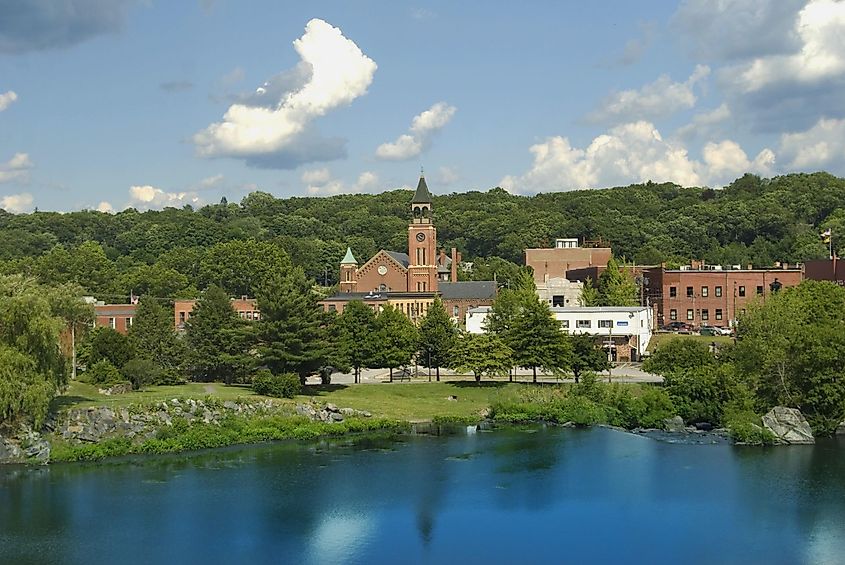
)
(714, 330)
(680, 327)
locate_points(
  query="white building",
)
(558, 291)
(624, 331)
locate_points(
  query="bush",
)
(280, 386)
(679, 354)
(703, 394)
(746, 427)
(142, 372)
(104, 373)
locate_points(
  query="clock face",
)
(382, 270)
(421, 236)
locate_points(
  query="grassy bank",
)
(661, 338)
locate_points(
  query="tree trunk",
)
(477, 378)
(391, 374)
(510, 375)
(577, 375)
(73, 351)
(438, 374)
(535, 374)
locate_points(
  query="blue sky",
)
(114, 103)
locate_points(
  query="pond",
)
(513, 495)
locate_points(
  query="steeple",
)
(422, 195)
(349, 258)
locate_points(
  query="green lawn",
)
(657, 339)
(403, 401)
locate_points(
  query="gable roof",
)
(468, 289)
(422, 195)
(401, 258)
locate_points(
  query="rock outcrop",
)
(674, 424)
(840, 429)
(788, 425)
(328, 413)
(23, 445)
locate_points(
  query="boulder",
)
(332, 408)
(840, 429)
(674, 424)
(120, 388)
(788, 425)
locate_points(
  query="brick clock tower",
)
(422, 243)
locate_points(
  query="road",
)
(620, 373)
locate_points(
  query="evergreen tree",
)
(587, 355)
(291, 334)
(535, 337)
(437, 336)
(616, 286)
(482, 355)
(589, 294)
(218, 340)
(153, 336)
(108, 344)
(356, 330)
(396, 339)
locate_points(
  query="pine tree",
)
(153, 336)
(356, 330)
(437, 336)
(616, 286)
(396, 339)
(481, 354)
(291, 334)
(589, 294)
(218, 340)
(535, 337)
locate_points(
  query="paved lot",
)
(620, 373)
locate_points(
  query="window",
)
(455, 311)
(759, 289)
(583, 324)
(673, 314)
(690, 315)
(705, 314)
(742, 291)
(718, 291)
(558, 300)
(673, 291)
(181, 318)
(689, 292)
(605, 323)
(332, 307)
(564, 324)
(705, 292)
(127, 323)
(112, 323)
(718, 313)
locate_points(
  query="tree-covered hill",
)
(173, 252)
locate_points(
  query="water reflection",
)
(517, 494)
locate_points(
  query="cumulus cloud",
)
(17, 203)
(105, 207)
(629, 153)
(703, 122)
(821, 146)
(209, 182)
(320, 182)
(271, 128)
(423, 128)
(6, 99)
(37, 25)
(447, 175)
(16, 169)
(146, 197)
(657, 99)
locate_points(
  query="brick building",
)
(566, 255)
(702, 295)
(118, 317)
(826, 270)
(247, 308)
(411, 281)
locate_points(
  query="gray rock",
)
(674, 424)
(230, 405)
(788, 425)
(840, 429)
(332, 408)
(335, 417)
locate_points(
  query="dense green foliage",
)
(174, 252)
(107, 344)
(143, 372)
(356, 336)
(482, 355)
(103, 373)
(587, 356)
(153, 338)
(286, 385)
(396, 339)
(437, 335)
(616, 287)
(678, 355)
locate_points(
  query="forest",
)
(178, 252)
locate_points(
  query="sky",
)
(107, 104)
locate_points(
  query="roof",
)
(349, 258)
(115, 309)
(401, 258)
(375, 296)
(422, 195)
(467, 289)
(597, 309)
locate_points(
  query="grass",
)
(660, 338)
(84, 395)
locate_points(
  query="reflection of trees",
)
(524, 459)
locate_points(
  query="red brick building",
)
(247, 308)
(566, 255)
(826, 270)
(411, 281)
(118, 317)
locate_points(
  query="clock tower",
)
(422, 243)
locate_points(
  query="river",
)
(516, 495)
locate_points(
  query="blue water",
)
(509, 496)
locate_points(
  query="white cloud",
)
(210, 182)
(820, 29)
(654, 100)
(105, 207)
(703, 122)
(16, 169)
(447, 175)
(146, 197)
(423, 128)
(17, 203)
(821, 146)
(338, 74)
(630, 153)
(6, 99)
(321, 183)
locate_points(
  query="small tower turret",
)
(348, 272)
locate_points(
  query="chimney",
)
(750, 266)
(456, 258)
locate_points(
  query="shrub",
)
(280, 386)
(702, 395)
(141, 372)
(746, 427)
(679, 354)
(104, 373)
